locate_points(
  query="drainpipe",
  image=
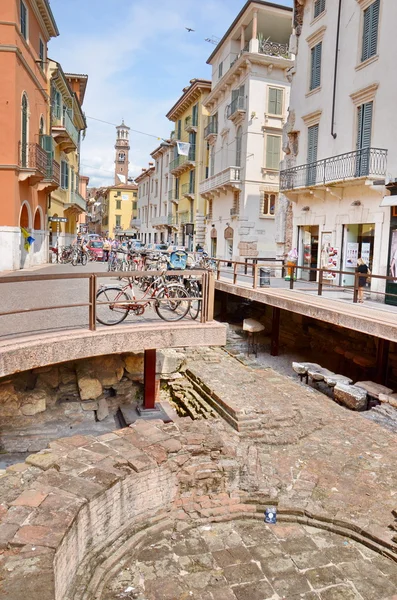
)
(333, 132)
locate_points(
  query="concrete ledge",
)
(36, 351)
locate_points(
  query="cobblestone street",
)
(248, 560)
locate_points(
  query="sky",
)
(138, 57)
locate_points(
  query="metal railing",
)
(172, 220)
(66, 122)
(136, 223)
(191, 122)
(231, 175)
(187, 189)
(274, 49)
(367, 162)
(211, 129)
(181, 159)
(237, 105)
(185, 217)
(78, 200)
(163, 220)
(205, 277)
(53, 171)
(33, 157)
(173, 196)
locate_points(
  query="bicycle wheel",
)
(75, 260)
(171, 303)
(114, 313)
(84, 259)
(195, 305)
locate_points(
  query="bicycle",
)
(79, 257)
(170, 301)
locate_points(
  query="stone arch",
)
(38, 223)
(25, 215)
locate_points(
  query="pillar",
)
(242, 38)
(382, 361)
(254, 43)
(149, 380)
(275, 338)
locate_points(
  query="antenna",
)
(213, 40)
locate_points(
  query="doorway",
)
(308, 254)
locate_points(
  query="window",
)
(364, 131)
(312, 145)
(56, 103)
(273, 150)
(239, 140)
(319, 7)
(134, 205)
(268, 204)
(24, 132)
(118, 204)
(64, 175)
(179, 130)
(72, 179)
(370, 31)
(118, 194)
(24, 19)
(121, 157)
(212, 161)
(41, 53)
(315, 73)
(135, 195)
(118, 220)
(176, 189)
(220, 70)
(275, 101)
(157, 189)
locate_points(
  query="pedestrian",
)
(106, 249)
(362, 268)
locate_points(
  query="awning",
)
(389, 201)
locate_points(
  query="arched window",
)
(121, 157)
(268, 204)
(24, 132)
(42, 126)
(239, 139)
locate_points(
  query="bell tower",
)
(122, 149)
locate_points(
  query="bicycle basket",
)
(178, 260)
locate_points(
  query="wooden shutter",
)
(275, 101)
(370, 31)
(319, 7)
(312, 144)
(195, 115)
(47, 143)
(364, 125)
(273, 145)
(315, 79)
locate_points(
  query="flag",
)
(122, 178)
(28, 239)
(183, 148)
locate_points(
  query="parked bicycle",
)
(114, 303)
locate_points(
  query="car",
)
(96, 247)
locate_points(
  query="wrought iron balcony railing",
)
(78, 200)
(181, 160)
(173, 220)
(187, 189)
(237, 105)
(172, 195)
(67, 124)
(33, 157)
(367, 162)
(211, 129)
(229, 177)
(274, 49)
(191, 122)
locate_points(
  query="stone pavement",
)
(248, 560)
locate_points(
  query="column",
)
(242, 38)
(275, 336)
(149, 375)
(254, 43)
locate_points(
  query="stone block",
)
(373, 389)
(134, 364)
(9, 403)
(90, 387)
(103, 409)
(351, 396)
(34, 402)
(333, 379)
(168, 362)
(49, 378)
(44, 460)
(89, 405)
(107, 369)
(32, 498)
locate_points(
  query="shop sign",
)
(57, 219)
(365, 252)
(229, 233)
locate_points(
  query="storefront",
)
(308, 244)
(229, 234)
(391, 286)
(358, 242)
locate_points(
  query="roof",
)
(195, 85)
(83, 83)
(240, 14)
(48, 17)
(144, 174)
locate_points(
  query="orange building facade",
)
(28, 172)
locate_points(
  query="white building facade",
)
(248, 107)
(340, 141)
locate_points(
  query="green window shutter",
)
(319, 7)
(275, 101)
(364, 125)
(273, 147)
(312, 145)
(370, 31)
(315, 76)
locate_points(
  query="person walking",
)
(106, 249)
(362, 268)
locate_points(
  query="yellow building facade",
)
(119, 207)
(67, 124)
(190, 118)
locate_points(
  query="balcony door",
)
(312, 146)
(364, 129)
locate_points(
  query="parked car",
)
(96, 246)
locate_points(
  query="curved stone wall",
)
(71, 512)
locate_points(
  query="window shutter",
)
(235, 94)
(373, 40)
(319, 7)
(272, 101)
(273, 145)
(316, 53)
(312, 144)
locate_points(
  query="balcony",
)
(185, 217)
(191, 123)
(173, 196)
(367, 163)
(52, 179)
(183, 163)
(76, 201)
(274, 49)
(173, 221)
(65, 133)
(160, 221)
(237, 109)
(211, 131)
(188, 190)
(135, 223)
(228, 179)
(32, 162)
